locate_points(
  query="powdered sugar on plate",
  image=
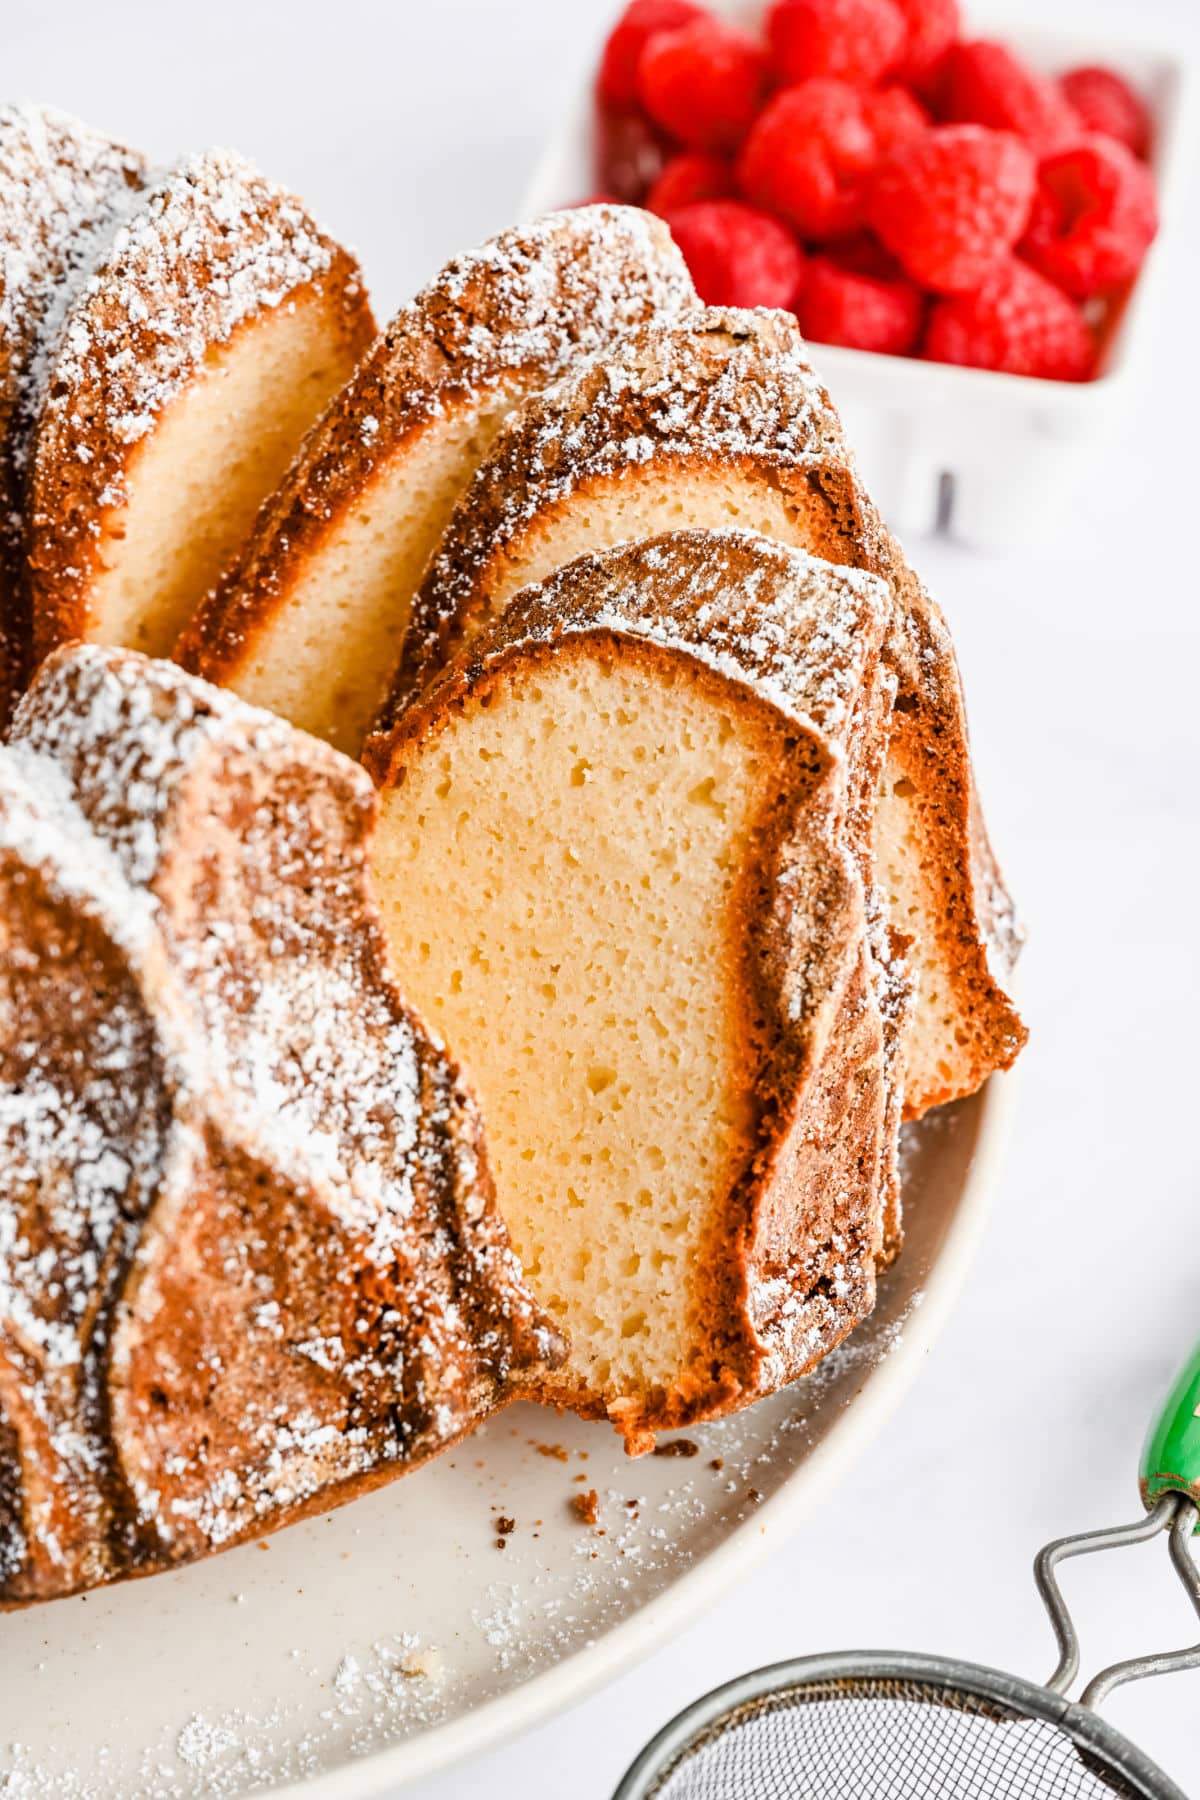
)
(370, 1628)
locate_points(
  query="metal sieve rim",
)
(1090, 1733)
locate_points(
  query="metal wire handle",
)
(1173, 1512)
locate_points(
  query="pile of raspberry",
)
(899, 187)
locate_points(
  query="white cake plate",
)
(393, 1637)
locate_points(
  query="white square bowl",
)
(993, 457)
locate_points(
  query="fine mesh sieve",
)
(886, 1725)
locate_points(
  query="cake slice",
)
(193, 359)
(63, 187)
(310, 619)
(716, 419)
(617, 862)
(252, 1261)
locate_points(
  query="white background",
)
(411, 129)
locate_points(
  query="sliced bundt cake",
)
(712, 419)
(618, 862)
(209, 336)
(251, 1260)
(63, 188)
(310, 619)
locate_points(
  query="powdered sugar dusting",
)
(707, 385)
(559, 287)
(59, 182)
(799, 631)
(209, 246)
(284, 1089)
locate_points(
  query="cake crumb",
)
(677, 1447)
(586, 1507)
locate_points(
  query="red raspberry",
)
(1017, 321)
(988, 84)
(841, 306)
(630, 153)
(865, 255)
(807, 156)
(1094, 217)
(952, 203)
(894, 116)
(933, 26)
(850, 40)
(703, 83)
(692, 175)
(616, 82)
(737, 255)
(1109, 105)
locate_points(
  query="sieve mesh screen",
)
(882, 1738)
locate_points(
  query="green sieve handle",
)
(1171, 1458)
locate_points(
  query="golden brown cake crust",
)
(734, 391)
(62, 187)
(280, 1277)
(721, 383)
(210, 249)
(791, 644)
(516, 310)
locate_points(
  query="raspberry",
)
(1109, 105)
(952, 203)
(1017, 321)
(894, 116)
(703, 83)
(865, 255)
(692, 175)
(850, 40)
(630, 154)
(807, 156)
(987, 84)
(737, 255)
(841, 306)
(1094, 217)
(932, 28)
(617, 81)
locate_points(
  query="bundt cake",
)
(250, 1261)
(711, 419)
(618, 863)
(311, 617)
(207, 338)
(63, 187)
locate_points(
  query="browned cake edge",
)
(62, 186)
(182, 260)
(139, 747)
(497, 318)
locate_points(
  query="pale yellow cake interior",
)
(900, 851)
(673, 498)
(557, 873)
(326, 657)
(197, 480)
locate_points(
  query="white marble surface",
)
(411, 129)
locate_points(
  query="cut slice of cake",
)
(618, 863)
(63, 187)
(311, 618)
(252, 1262)
(205, 342)
(717, 419)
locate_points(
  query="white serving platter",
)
(392, 1638)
